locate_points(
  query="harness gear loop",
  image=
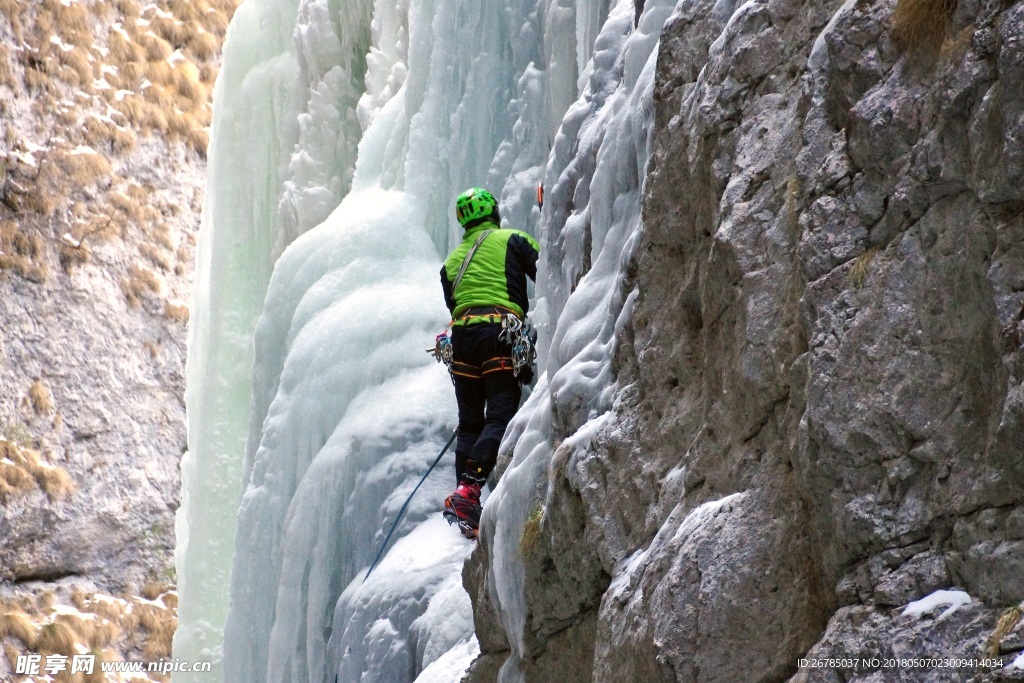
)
(522, 337)
(443, 352)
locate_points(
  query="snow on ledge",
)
(952, 600)
(702, 514)
(1019, 662)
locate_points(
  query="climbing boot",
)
(463, 508)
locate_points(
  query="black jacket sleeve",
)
(446, 286)
(525, 254)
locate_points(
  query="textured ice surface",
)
(254, 129)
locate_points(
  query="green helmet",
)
(474, 203)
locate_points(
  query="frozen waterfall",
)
(343, 131)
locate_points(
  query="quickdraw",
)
(443, 351)
(521, 336)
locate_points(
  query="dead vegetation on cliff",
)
(111, 628)
(85, 86)
(23, 470)
(923, 24)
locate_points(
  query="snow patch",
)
(64, 47)
(952, 599)
(702, 514)
(624, 576)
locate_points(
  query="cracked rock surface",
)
(824, 364)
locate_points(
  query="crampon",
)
(462, 508)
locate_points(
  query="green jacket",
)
(497, 274)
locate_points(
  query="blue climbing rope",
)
(408, 500)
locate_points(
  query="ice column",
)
(254, 130)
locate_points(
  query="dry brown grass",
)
(55, 638)
(1008, 620)
(129, 9)
(6, 73)
(12, 10)
(73, 256)
(46, 599)
(124, 51)
(21, 253)
(84, 167)
(198, 140)
(104, 626)
(185, 77)
(922, 24)
(152, 590)
(55, 481)
(127, 206)
(161, 233)
(94, 633)
(66, 49)
(105, 134)
(160, 624)
(163, 98)
(16, 470)
(157, 256)
(108, 609)
(176, 312)
(152, 347)
(70, 22)
(22, 470)
(40, 397)
(139, 282)
(157, 49)
(11, 653)
(861, 267)
(531, 529)
(208, 74)
(203, 46)
(78, 69)
(16, 624)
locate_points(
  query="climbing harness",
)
(408, 500)
(522, 337)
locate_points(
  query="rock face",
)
(103, 112)
(820, 412)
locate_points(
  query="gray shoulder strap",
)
(469, 257)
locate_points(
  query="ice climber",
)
(484, 282)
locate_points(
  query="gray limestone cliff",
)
(103, 114)
(820, 410)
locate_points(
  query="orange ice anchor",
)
(540, 196)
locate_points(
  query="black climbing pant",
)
(488, 396)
